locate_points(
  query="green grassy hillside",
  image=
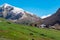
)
(12, 31)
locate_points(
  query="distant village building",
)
(43, 25)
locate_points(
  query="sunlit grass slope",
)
(12, 31)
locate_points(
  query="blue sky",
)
(37, 7)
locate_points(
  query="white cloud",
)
(45, 16)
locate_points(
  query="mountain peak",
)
(15, 9)
(6, 4)
(58, 10)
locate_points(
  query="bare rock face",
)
(29, 19)
(53, 19)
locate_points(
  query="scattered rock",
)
(8, 22)
(32, 39)
(31, 33)
(52, 37)
(43, 34)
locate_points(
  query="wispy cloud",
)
(45, 16)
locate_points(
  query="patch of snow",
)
(18, 10)
(45, 16)
(15, 10)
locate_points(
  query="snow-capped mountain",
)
(8, 10)
(17, 14)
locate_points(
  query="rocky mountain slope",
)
(53, 19)
(17, 15)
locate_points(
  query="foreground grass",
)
(12, 31)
